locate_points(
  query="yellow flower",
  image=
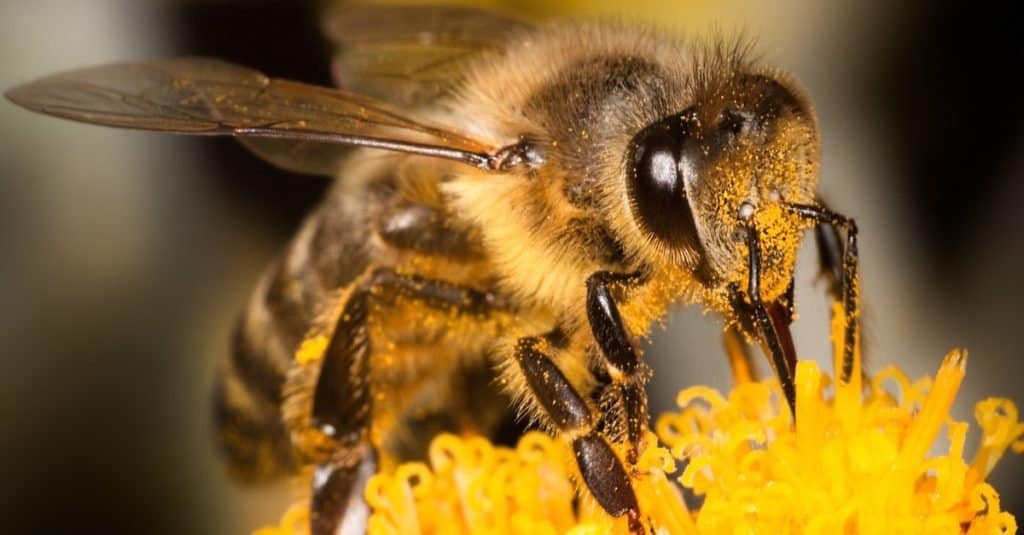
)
(860, 465)
(860, 460)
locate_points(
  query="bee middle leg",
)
(342, 404)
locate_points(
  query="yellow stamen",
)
(859, 460)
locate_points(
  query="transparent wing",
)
(295, 125)
(409, 55)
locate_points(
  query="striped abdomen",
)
(325, 255)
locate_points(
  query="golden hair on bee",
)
(549, 193)
(581, 91)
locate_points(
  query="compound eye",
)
(660, 167)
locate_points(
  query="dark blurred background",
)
(128, 255)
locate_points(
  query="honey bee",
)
(514, 208)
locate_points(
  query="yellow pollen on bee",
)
(311, 349)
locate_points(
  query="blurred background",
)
(128, 255)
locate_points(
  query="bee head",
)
(750, 143)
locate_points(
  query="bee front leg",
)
(830, 256)
(571, 418)
(839, 264)
(770, 321)
(625, 371)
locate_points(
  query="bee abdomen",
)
(252, 434)
(247, 397)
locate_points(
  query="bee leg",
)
(830, 256)
(736, 348)
(772, 323)
(849, 282)
(572, 419)
(342, 404)
(337, 506)
(342, 412)
(624, 367)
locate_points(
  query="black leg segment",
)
(625, 369)
(604, 475)
(563, 405)
(634, 401)
(606, 323)
(779, 345)
(830, 256)
(849, 278)
(337, 506)
(571, 417)
(342, 402)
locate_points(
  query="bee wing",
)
(410, 55)
(297, 126)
